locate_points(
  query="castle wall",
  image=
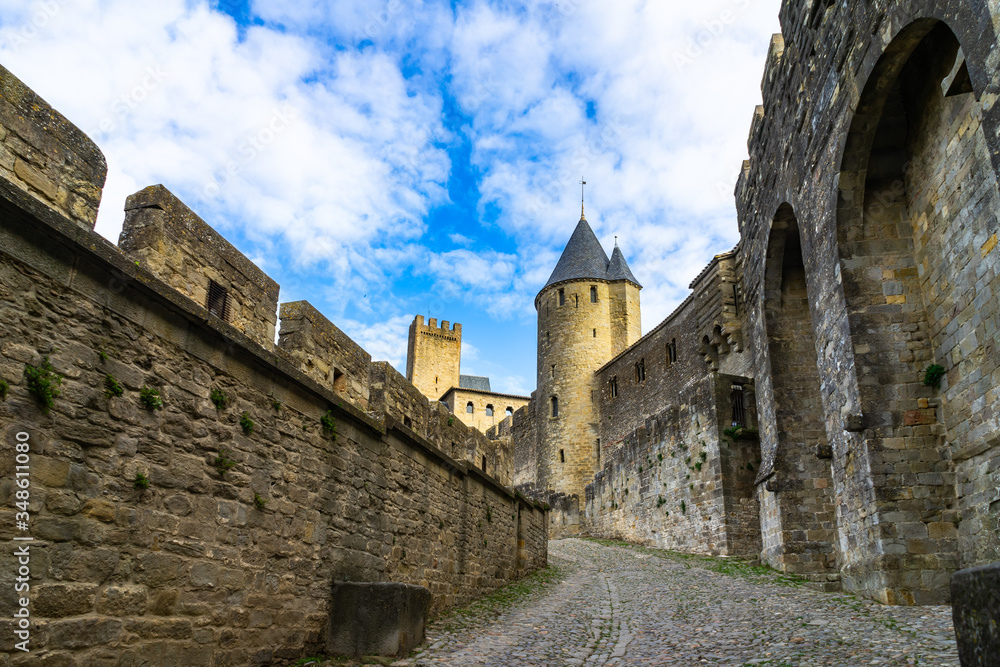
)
(253, 509)
(670, 477)
(433, 356)
(893, 185)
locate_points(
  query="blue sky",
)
(384, 159)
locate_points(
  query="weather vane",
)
(583, 184)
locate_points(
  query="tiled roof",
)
(584, 258)
(473, 382)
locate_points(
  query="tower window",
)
(552, 371)
(548, 337)
(489, 410)
(469, 408)
(484, 464)
(218, 300)
(595, 333)
(562, 297)
(555, 406)
(593, 294)
(672, 352)
(562, 456)
(510, 411)
(640, 371)
(614, 386)
(739, 406)
(597, 450)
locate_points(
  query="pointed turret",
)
(583, 258)
(618, 268)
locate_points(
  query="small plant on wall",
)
(219, 399)
(329, 423)
(112, 387)
(933, 375)
(246, 423)
(43, 382)
(4, 388)
(259, 502)
(141, 482)
(151, 398)
(223, 463)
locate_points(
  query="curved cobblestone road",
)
(630, 606)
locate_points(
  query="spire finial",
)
(583, 184)
(616, 240)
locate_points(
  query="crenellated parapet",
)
(46, 156)
(178, 247)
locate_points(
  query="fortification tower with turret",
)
(588, 312)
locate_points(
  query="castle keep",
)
(433, 360)
(827, 396)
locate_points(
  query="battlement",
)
(48, 157)
(182, 250)
(446, 327)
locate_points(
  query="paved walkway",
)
(631, 606)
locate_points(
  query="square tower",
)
(433, 356)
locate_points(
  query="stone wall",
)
(879, 136)
(46, 156)
(253, 507)
(178, 247)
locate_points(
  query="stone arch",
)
(917, 205)
(798, 508)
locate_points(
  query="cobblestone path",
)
(634, 606)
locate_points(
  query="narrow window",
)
(484, 464)
(555, 406)
(510, 411)
(548, 337)
(614, 386)
(339, 381)
(593, 294)
(407, 422)
(217, 302)
(552, 371)
(597, 449)
(469, 409)
(562, 456)
(672, 352)
(489, 410)
(577, 297)
(739, 406)
(640, 371)
(595, 333)
(562, 297)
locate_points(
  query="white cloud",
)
(385, 340)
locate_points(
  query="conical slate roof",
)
(584, 259)
(618, 268)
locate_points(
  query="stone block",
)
(377, 618)
(975, 599)
(59, 600)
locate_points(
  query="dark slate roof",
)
(584, 258)
(474, 382)
(618, 268)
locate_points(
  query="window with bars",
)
(739, 406)
(218, 300)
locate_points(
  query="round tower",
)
(588, 312)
